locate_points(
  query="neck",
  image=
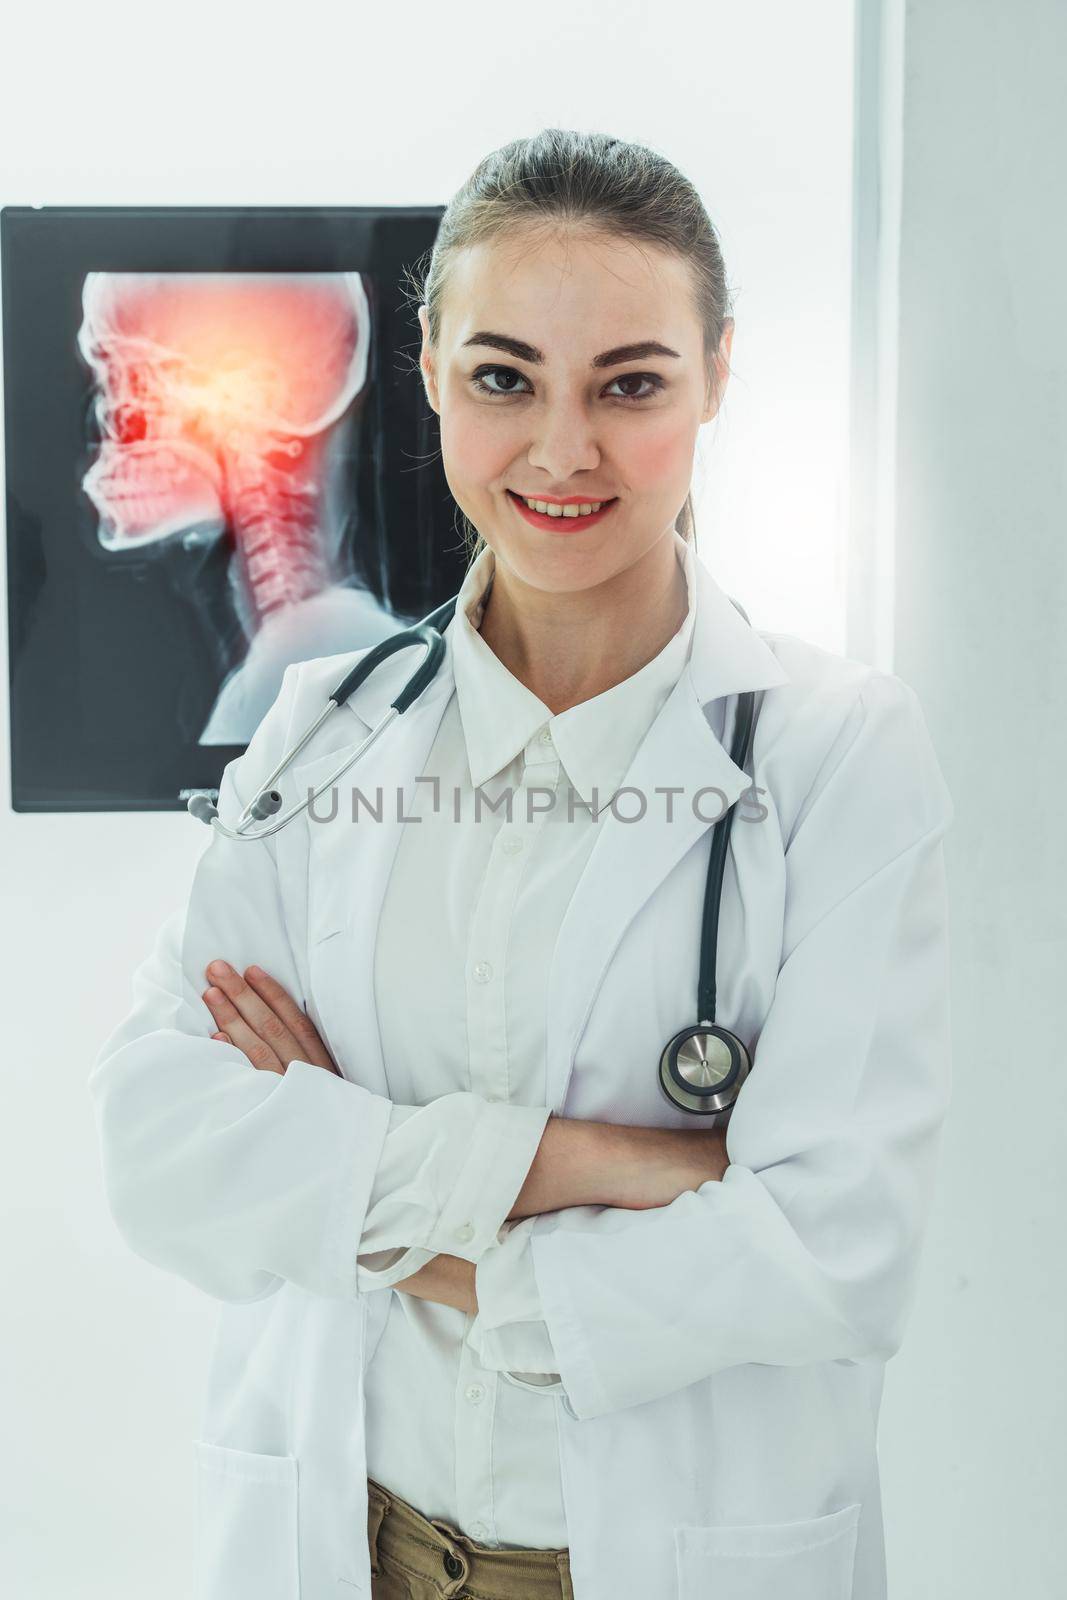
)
(567, 648)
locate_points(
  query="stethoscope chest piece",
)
(702, 1069)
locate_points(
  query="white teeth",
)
(549, 510)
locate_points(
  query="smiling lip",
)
(560, 524)
(571, 499)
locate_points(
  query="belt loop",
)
(377, 1506)
(563, 1563)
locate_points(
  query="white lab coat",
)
(722, 1357)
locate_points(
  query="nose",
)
(565, 444)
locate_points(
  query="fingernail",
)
(218, 969)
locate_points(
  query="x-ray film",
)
(219, 461)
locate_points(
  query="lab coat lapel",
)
(630, 858)
(347, 883)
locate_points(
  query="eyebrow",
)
(608, 358)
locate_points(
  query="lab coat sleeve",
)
(509, 1334)
(235, 1179)
(807, 1249)
(449, 1174)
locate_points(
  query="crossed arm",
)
(806, 1250)
(577, 1162)
(588, 1163)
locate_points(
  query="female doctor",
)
(498, 1316)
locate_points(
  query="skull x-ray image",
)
(228, 406)
(220, 461)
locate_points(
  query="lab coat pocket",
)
(808, 1560)
(246, 1525)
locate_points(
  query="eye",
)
(477, 382)
(640, 377)
(484, 388)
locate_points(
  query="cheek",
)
(474, 451)
(653, 457)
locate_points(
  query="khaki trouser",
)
(413, 1558)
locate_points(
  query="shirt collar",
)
(596, 740)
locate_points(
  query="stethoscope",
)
(702, 1067)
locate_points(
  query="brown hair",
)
(590, 180)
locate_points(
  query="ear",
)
(426, 362)
(722, 369)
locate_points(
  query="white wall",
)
(980, 605)
(214, 104)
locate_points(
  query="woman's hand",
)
(261, 1018)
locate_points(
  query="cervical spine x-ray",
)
(220, 461)
(228, 409)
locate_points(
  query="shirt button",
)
(475, 1394)
(512, 846)
(465, 1234)
(482, 972)
(478, 1530)
(545, 736)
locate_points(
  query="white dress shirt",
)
(461, 1410)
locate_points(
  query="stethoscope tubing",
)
(702, 1068)
(717, 866)
(428, 633)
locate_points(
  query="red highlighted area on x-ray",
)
(225, 406)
